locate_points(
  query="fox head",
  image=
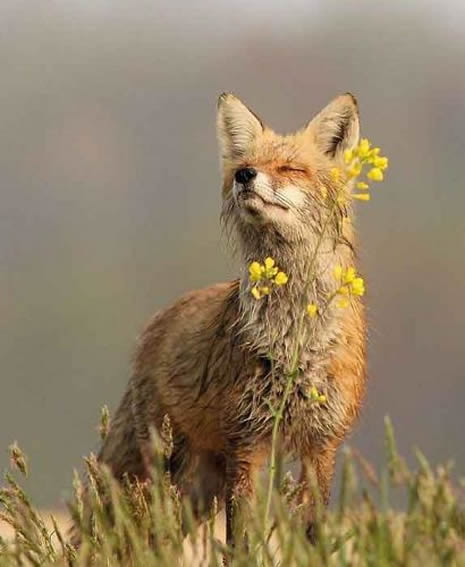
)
(274, 185)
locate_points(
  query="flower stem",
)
(294, 367)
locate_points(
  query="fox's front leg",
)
(316, 477)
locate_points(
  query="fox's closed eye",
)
(291, 168)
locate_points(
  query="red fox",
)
(217, 358)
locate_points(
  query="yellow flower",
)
(256, 293)
(355, 170)
(348, 156)
(364, 148)
(269, 263)
(357, 161)
(381, 162)
(270, 269)
(337, 272)
(335, 174)
(358, 286)
(349, 276)
(266, 273)
(343, 303)
(255, 272)
(312, 309)
(343, 290)
(315, 395)
(281, 278)
(375, 174)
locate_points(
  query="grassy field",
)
(149, 525)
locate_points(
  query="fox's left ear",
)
(336, 128)
(237, 127)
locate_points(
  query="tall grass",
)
(148, 524)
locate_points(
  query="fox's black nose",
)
(245, 174)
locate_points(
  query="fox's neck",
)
(277, 325)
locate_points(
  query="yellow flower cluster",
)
(266, 275)
(356, 160)
(349, 284)
(312, 310)
(315, 396)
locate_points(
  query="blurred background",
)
(110, 196)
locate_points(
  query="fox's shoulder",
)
(206, 298)
(196, 312)
(200, 303)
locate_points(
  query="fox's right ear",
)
(336, 128)
(237, 127)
